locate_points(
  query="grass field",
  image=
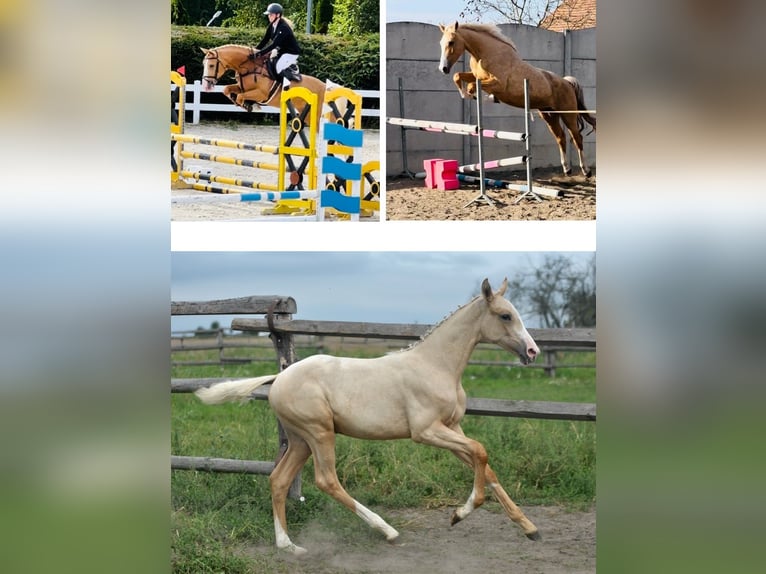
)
(538, 462)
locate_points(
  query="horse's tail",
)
(582, 117)
(232, 390)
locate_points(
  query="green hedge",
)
(352, 62)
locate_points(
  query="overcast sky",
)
(389, 287)
(429, 11)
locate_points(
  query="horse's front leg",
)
(464, 77)
(232, 92)
(250, 96)
(513, 511)
(489, 83)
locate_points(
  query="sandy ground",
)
(409, 199)
(230, 130)
(486, 541)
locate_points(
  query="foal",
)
(415, 393)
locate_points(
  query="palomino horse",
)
(415, 393)
(253, 82)
(496, 62)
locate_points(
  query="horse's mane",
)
(489, 29)
(234, 46)
(437, 325)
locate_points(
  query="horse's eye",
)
(506, 317)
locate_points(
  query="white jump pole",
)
(482, 197)
(528, 146)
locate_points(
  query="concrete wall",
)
(412, 57)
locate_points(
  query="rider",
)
(280, 41)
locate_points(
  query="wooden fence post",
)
(550, 363)
(284, 345)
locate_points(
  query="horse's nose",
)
(532, 351)
(443, 69)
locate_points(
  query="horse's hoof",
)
(534, 535)
(455, 518)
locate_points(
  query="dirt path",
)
(268, 135)
(485, 542)
(408, 199)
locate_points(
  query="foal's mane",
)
(439, 324)
(490, 30)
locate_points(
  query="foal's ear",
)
(503, 287)
(486, 290)
(456, 25)
(204, 50)
(441, 27)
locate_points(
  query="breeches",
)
(285, 61)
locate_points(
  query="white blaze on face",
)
(443, 60)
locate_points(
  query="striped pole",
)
(229, 180)
(494, 164)
(488, 181)
(245, 197)
(458, 129)
(230, 160)
(186, 138)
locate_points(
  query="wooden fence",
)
(283, 330)
(249, 348)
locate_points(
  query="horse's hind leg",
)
(554, 125)
(513, 511)
(323, 447)
(570, 120)
(466, 449)
(281, 478)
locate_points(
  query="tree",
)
(559, 293)
(249, 14)
(323, 13)
(530, 12)
(355, 17)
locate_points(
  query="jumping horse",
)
(415, 393)
(254, 85)
(496, 62)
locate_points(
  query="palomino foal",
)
(415, 393)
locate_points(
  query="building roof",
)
(571, 15)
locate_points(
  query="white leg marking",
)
(375, 521)
(468, 507)
(283, 540)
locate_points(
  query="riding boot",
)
(272, 69)
(290, 74)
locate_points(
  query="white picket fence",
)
(195, 104)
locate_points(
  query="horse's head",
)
(502, 324)
(452, 47)
(212, 69)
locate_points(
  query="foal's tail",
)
(581, 105)
(232, 390)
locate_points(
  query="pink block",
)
(429, 166)
(441, 174)
(445, 174)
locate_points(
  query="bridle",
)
(214, 79)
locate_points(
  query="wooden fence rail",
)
(475, 406)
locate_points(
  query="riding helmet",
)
(273, 9)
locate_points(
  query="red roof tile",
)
(571, 15)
